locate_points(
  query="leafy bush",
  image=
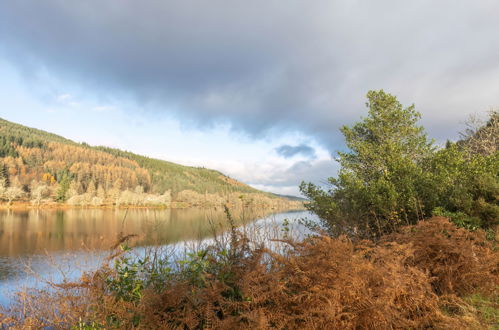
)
(130, 278)
(462, 186)
(460, 219)
(393, 176)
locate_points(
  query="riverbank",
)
(41, 231)
(69, 242)
(17, 205)
(22, 205)
(429, 275)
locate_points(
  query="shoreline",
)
(22, 206)
(63, 206)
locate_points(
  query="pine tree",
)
(62, 191)
(91, 189)
(4, 175)
(101, 193)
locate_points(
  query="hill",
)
(292, 198)
(42, 166)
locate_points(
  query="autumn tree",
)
(12, 193)
(38, 192)
(91, 190)
(101, 193)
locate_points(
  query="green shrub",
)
(460, 219)
(376, 187)
(465, 186)
(392, 175)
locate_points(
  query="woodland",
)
(39, 168)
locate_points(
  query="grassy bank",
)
(429, 275)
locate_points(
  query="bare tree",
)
(481, 136)
(13, 193)
(38, 192)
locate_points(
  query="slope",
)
(31, 157)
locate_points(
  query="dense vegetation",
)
(43, 167)
(428, 276)
(394, 175)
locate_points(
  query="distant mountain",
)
(292, 198)
(31, 158)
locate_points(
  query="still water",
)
(57, 245)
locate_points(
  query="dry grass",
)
(414, 279)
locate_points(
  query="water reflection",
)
(40, 231)
(55, 242)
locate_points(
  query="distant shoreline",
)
(63, 206)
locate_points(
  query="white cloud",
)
(104, 108)
(275, 175)
(64, 98)
(67, 100)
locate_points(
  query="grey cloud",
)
(288, 151)
(310, 171)
(287, 181)
(265, 66)
(284, 177)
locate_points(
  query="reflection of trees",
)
(8, 268)
(37, 231)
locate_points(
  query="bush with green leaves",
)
(133, 274)
(376, 187)
(220, 262)
(393, 175)
(463, 187)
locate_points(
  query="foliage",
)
(393, 175)
(375, 190)
(84, 175)
(463, 187)
(457, 261)
(487, 307)
(4, 175)
(38, 192)
(129, 279)
(11, 193)
(63, 189)
(167, 175)
(416, 279)
(459, 218)
(481, 137)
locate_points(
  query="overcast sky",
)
(257, 89)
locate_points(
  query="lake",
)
(57, 245)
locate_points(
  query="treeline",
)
(168, 175)
(41, 167)
(394, 175)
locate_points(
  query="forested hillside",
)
(42, 167)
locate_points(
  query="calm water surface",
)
(60, 244)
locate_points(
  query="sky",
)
(256, 89)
